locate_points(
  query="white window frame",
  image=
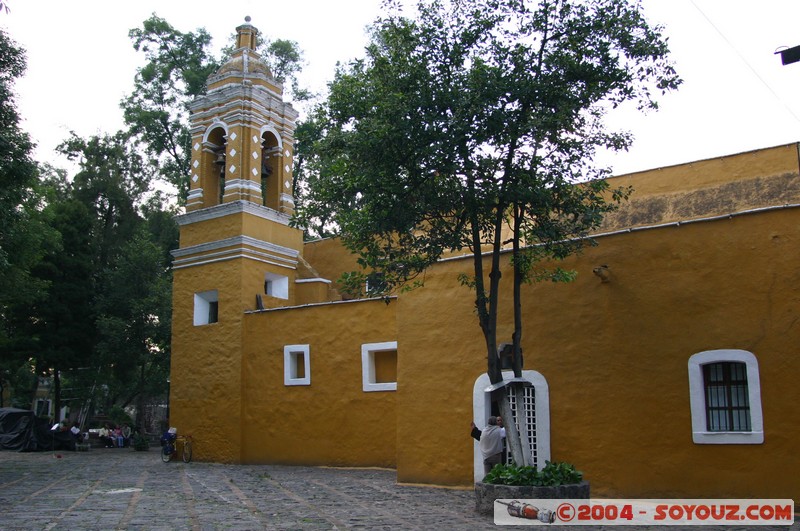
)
(202, 303)
(291, 353)
(368, 382)
(697, 399)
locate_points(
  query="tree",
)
(17, 169)
(111, 181)
(129, 238)
(62, 240)
(134, 323)
(178, 65)
(474, 127)
(24, 235)
(285, 61)
(59, 329)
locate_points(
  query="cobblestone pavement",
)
(119, 489)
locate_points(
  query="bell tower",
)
(238, 252)
(242, 134)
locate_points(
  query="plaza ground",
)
(120, 489)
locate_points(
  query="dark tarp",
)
(23, 431)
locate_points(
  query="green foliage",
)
(464, 121)
(177, 67)
(119, 417)
(25, 236)
(135, 319)
(84, 260)
(553, 474)
(474, 127)
(285, 60)
(140, 442)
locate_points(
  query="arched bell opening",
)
(214, 165)
(270, 167)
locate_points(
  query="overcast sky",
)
(736, 94)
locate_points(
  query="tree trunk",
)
(512, 433)
(57, 393)
(34, 388)
(140, 401)
(516, 337)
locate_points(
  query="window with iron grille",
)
(725, 397)
(529, 424)
(727, 403)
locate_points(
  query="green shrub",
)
(552, 474)
(140, 442)
(119, 417)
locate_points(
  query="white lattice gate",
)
(528, 436)
(535, 397)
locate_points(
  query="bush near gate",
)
(552, 474)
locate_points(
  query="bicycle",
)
(169, 447)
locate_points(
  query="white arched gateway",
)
(536, 421)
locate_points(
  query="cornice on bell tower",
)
(242, 134)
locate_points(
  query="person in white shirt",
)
(491, 443)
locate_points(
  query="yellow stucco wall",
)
(615, 357)
(332, 421)
(329, 258)
(708, 188)
(240, 223)
(206, 368)
(712, 172)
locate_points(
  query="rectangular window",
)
(376, 285)
(206, 308)
(725, 397)
(276, 286)
(296, 365)
(379, 366)
(727, 403)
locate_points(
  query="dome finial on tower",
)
(247, 35)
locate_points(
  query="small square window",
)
(206, 308)
(376, 284)
(379, 366)
(296, 367)
(276, 286)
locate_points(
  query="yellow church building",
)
(667, 369)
